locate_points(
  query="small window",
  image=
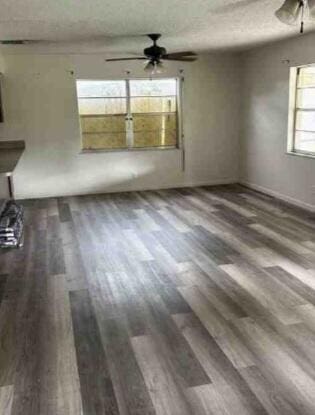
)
(128, 114)
(302, 134)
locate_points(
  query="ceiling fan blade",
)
(182, 59)
(180, 54)
(126, 59)
(234, 7)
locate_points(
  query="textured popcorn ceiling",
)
(115, 27)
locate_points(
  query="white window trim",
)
(292, 114)
(179, 100)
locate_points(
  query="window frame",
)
(293, 110)
(179, 117)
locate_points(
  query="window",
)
(128, 114)
(302, 128)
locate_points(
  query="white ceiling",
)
(115, 27)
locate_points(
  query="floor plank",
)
(6, 398)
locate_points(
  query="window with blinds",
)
(128, 114)
(304, 111)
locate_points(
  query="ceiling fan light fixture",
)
(154, 67)
(289, 12)
(159, 67)
(149, 67)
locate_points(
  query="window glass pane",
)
(154, 87)
(102, 109)
(91, 106)
(94, 106)
(306, 98)
(155, 130)
(148, 122)
(107, 132)
(153, 107)
(305, 141)
(158, 138)
(103, 124)
(306, 77)
(104, 141)
(305, 120)
(101, 88)
(153, 104)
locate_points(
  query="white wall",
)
(40, 107)
(265, 85)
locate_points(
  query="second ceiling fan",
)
(293, 11)
(155, 55)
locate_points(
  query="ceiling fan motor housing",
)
(154, 52)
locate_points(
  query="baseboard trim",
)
(216, 182)
(280, 196)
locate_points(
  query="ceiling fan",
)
(156, 54)
(294, 11)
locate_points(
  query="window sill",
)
(125, 150)
(295, 153)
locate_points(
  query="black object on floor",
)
(11, 224)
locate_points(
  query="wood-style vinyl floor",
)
(195, 301)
